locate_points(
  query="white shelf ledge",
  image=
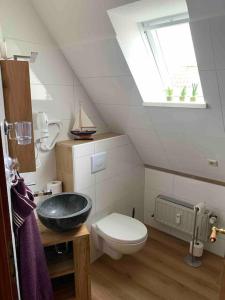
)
(176, 104)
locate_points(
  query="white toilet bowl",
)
(118, 234)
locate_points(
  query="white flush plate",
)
(98, 162)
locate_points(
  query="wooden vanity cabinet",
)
(18, 107)
(76, 263)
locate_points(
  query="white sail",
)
(77, 123)
(82, 121)
(85, 121)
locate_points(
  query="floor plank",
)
(157, 272)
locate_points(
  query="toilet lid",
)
(122, 229)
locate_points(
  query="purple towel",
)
(35, 283)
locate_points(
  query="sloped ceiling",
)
(175, 138)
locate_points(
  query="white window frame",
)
(155, 46)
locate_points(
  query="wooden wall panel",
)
(17, 100)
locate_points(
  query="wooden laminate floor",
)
(156, 272)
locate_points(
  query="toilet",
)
(117, 234)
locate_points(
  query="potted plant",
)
(183, 93)
(194, 92)
(169, 94)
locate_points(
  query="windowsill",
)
(176, 104)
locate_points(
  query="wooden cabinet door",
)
(222, 291)
(17, 101)
(8, 288)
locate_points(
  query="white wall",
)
(119, 187)
(189, 190)
(54, 86)
(176, 138)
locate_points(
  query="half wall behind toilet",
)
(118, 188)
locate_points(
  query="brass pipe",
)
(214, 232)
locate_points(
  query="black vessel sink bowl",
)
(64, 211)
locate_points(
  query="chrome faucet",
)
(214, 232)
(38, 194)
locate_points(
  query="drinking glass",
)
(23, 132)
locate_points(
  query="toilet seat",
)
(122, 229)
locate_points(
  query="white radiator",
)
(180, 215)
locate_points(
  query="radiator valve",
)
(213, 220)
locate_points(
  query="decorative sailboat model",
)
(83, 128)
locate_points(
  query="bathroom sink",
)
(64, 211)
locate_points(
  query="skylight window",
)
(170, 43)
(159, 52)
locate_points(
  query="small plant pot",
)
(193, 99)
(182, 99)
(168, 98)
